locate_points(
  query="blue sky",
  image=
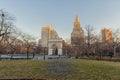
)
(31, 15)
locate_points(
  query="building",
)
(47, 33)
(50, 39)
(77, 35)
(107, 35)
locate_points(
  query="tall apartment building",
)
(77, 35)
(47, 33)
(107, 35)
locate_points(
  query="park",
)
(60, 69)
(59, 40)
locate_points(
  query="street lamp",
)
(66, 52)
(34, 48)
(114, 52)
(44, 53)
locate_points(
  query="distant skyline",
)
(31, 15)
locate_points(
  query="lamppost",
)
(44, 53)
(66, 51)
(34, 48)
(114, 49)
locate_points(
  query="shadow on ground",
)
(59, 69)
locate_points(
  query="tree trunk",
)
(27, 52)
(13, 52)
(12, 55)
(34, 53)
(115, 54)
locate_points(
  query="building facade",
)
(107, 35)
(77, 35)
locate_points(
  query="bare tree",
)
(90, 38)
(14, 43)
(116, 41)
(28, 41)
(6, 21)
(6, 27)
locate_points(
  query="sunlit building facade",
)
(107, 35)
(77, 35)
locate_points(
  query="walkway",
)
(59, 68)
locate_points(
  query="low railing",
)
(21, 79)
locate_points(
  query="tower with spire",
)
(77, 35)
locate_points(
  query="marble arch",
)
(55, 45)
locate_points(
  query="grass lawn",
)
(22, 68)
(96, 70)
(82, 69)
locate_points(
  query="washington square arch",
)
(50, 39)
(55, 47)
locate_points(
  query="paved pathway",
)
(59, 68)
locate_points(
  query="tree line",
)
(12, 40)
(93, 45)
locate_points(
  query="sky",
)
(31, 15)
